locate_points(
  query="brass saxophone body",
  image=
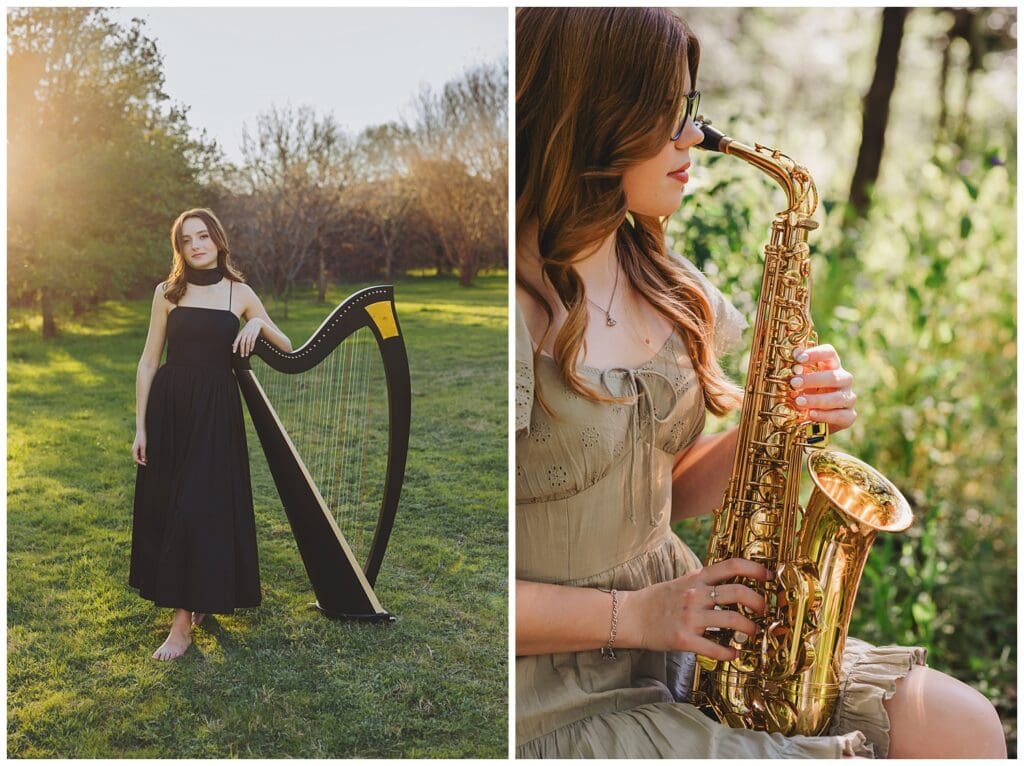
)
(786, 676)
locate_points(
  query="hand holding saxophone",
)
(822, 389)
(673, 615)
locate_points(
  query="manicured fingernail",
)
(812, 414)
(801, 401)
(802, 357)
(798, 369)
(797, 382)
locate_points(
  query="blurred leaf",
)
(972, 188)
(924, 612)
(965, 227)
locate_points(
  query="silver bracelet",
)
(607, 651)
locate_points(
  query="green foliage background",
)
(100, 162)
(920, 301)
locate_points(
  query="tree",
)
(467, 212)
(98, 164)
(876, 113)
(390, 200)
(983, 30)
(295, 167)
(386, 194)
(459, 166)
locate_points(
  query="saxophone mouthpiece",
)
(714, 139)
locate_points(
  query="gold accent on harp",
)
(384, 318)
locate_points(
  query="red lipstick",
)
(680, 173)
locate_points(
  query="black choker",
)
(203, 276)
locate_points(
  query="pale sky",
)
(364, 65)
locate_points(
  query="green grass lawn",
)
(280, 680)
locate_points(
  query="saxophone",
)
(786, 676)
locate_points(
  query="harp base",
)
(371, 617)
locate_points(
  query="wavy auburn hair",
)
(596, 92)
(177, 282)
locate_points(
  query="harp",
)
(332, 417)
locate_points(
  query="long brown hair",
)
(596, 91)
(176, 280)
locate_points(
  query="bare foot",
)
(178, 640)
(198, 617)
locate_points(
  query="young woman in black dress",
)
(193, 533)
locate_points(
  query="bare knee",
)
(984, 720)
(935, 715)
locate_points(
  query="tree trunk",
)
(49, 322)
(963, 123)
(970, 23)
(876, 114)
(389, 257)
(321, 283)
(940, 133)
(467, 266)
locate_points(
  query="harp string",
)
(323, 418)
(342, 506)
(361, 434)
(336, 415)
(363, 500)
(341, 454)
(328, 454)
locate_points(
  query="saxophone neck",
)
(794, 178)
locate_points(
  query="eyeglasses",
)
(688, 112)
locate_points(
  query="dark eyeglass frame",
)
(689, 112)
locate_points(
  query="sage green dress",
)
(593, 504)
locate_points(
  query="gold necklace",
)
(608, 311)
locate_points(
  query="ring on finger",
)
(714, 595)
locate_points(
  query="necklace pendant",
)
(609, 321)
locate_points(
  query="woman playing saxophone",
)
(617, 345)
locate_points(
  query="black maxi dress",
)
(193, 533)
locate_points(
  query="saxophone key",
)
(746, 660)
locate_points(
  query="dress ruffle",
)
(871, 673)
